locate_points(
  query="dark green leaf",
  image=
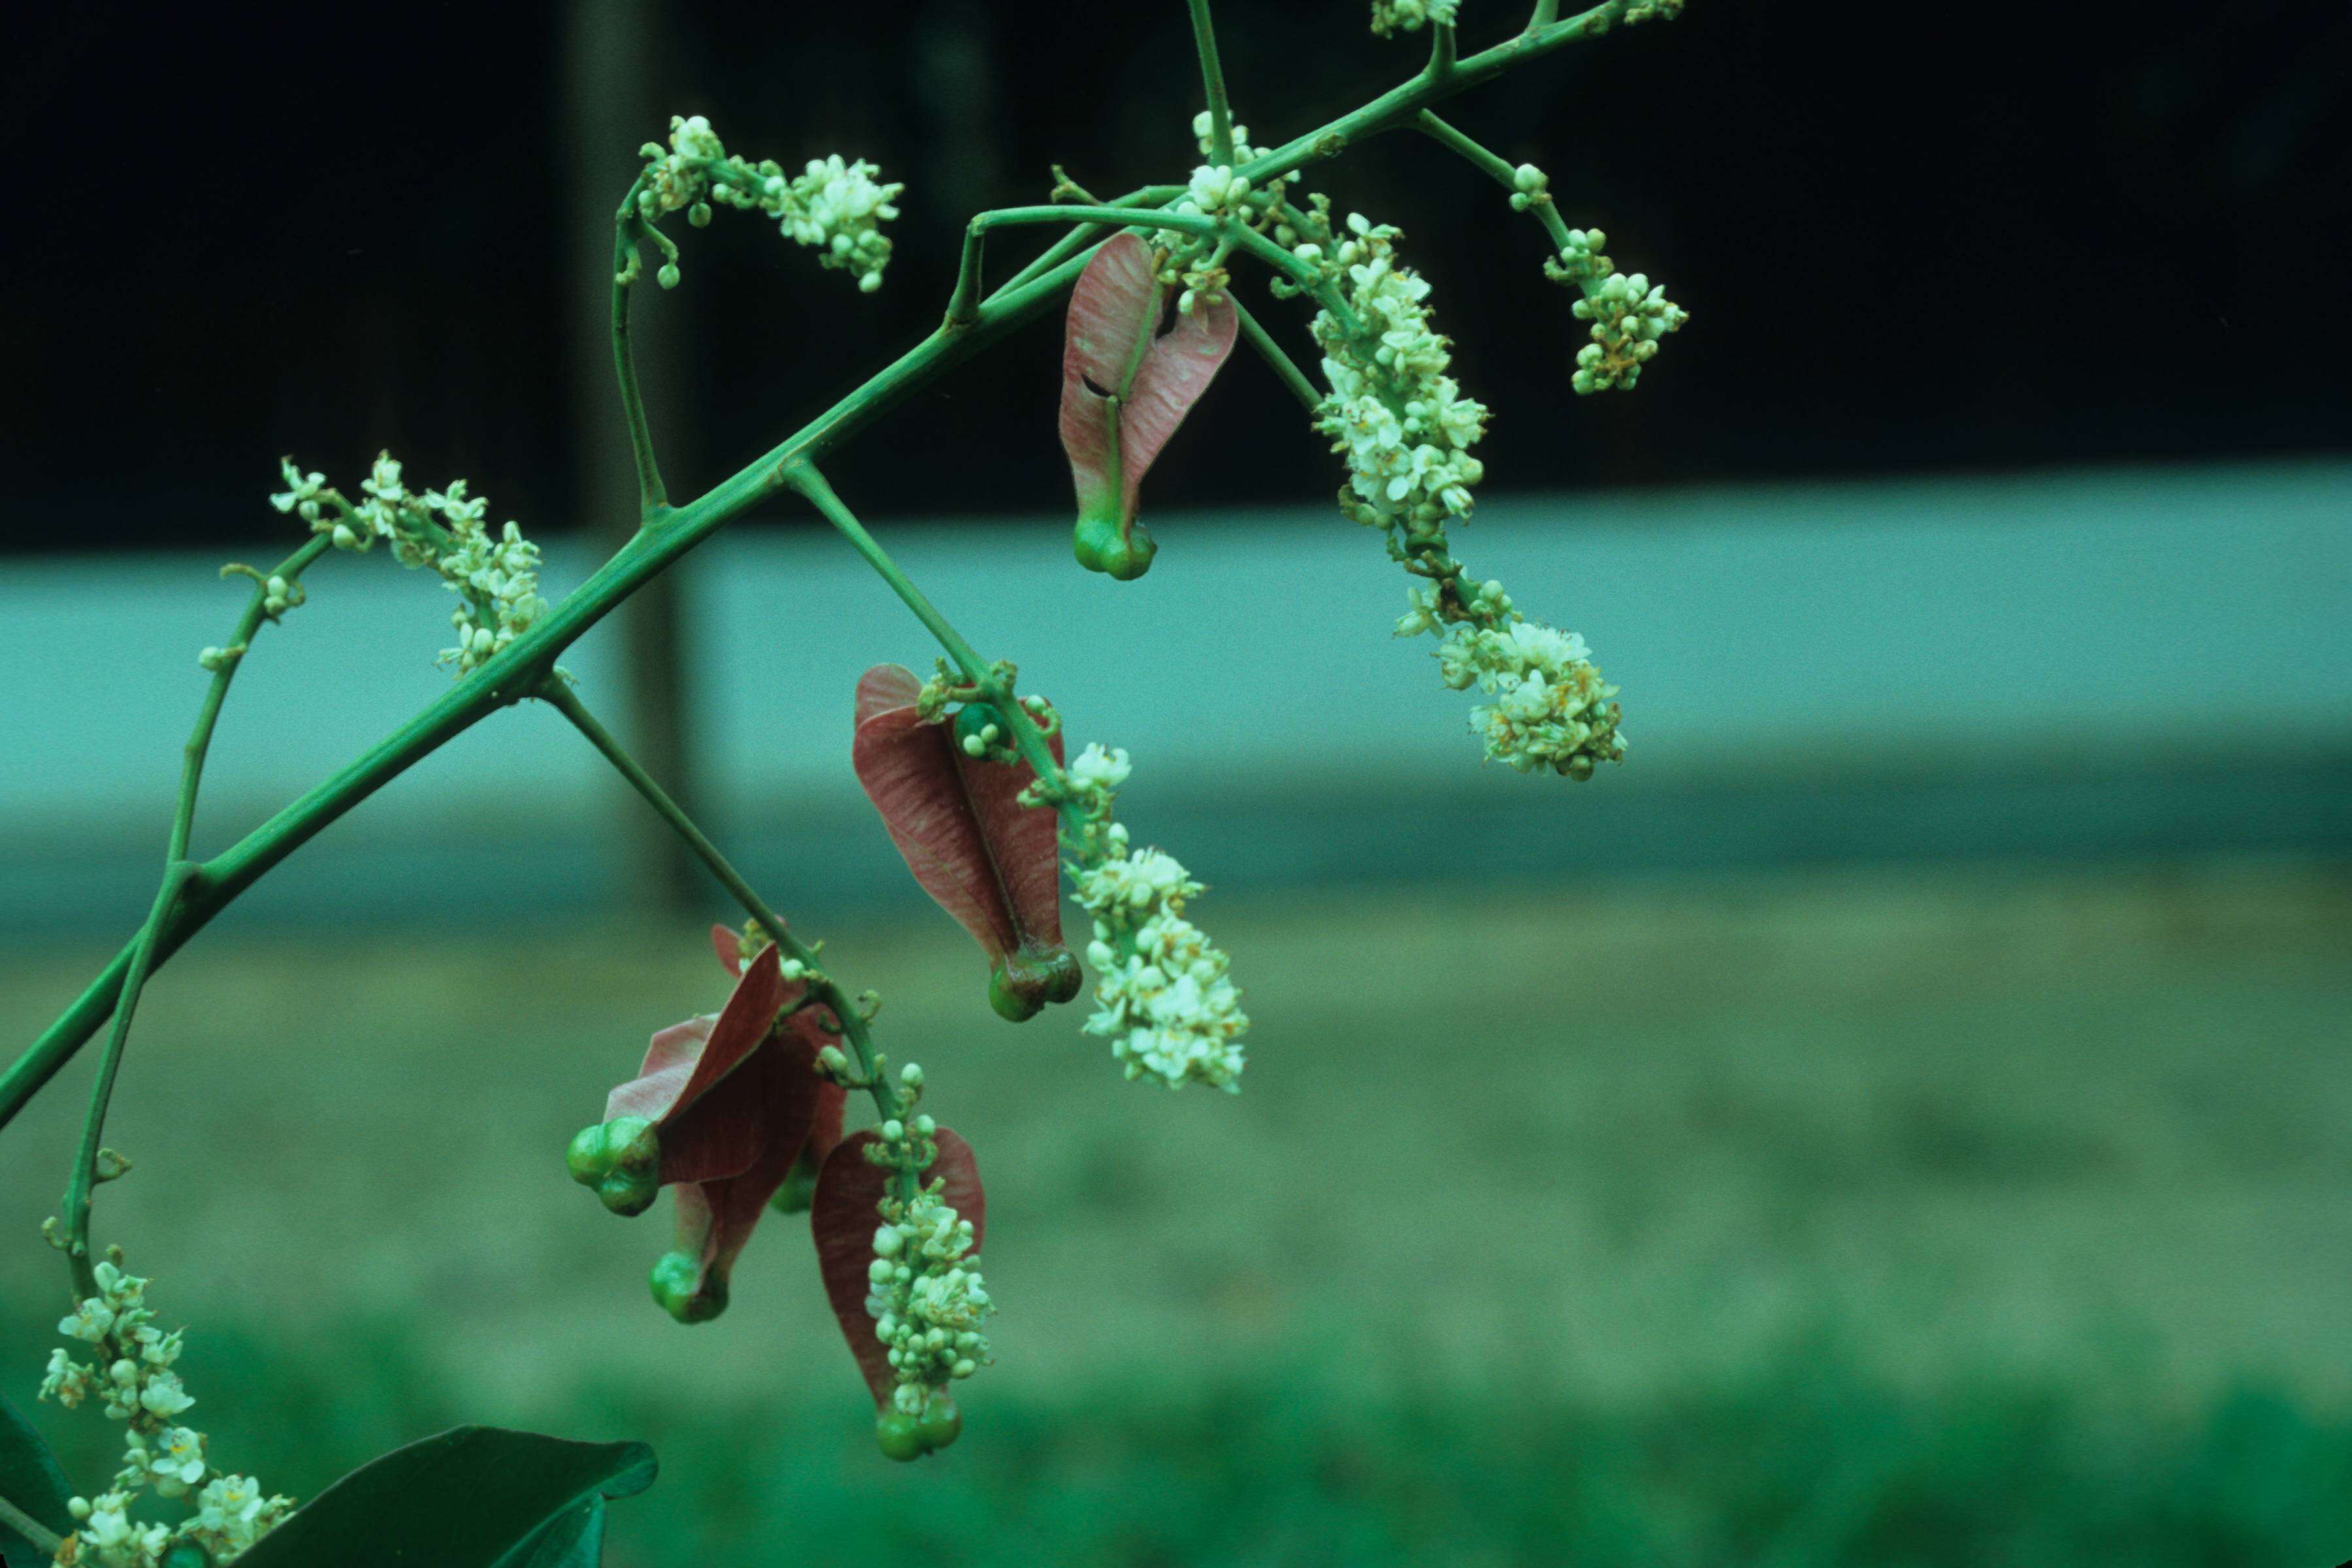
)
(473, 1497)
(29, 1477)
(574, 1539)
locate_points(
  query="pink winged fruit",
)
(722, 1111)
(1126, 385)
(990, 861)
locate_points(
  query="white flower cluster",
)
(924, 1289)
(1410, 16)
(1161, 995)
(835, 207)
(494, 577)
(1551, 709)
(1215, 191)
(1653, 11)
(1405, 428)
(1629, 315)
(1401, 419)
(133, 1380)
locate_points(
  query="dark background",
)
(1967, 240)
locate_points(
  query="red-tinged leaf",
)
(844, 1214)
(1125, 385)
(716, 1218)
(729, 946)
(990, 861)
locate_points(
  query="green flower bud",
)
(900, 1435)
(672, 1282)
(979, 726)
(185, 1555)
(622, 1160)
(1101, 545)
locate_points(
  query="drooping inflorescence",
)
(1161, 995)
(834, 208)
(132, 1378)
(495, 576)
(926, 1299)
(1405, 428)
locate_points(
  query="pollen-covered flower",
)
(1551, 708)
(176, 1459)
(90, 1321)
(67, 1381)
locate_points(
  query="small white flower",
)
(67, 1381)
(163, 1395)
(90, 1321)
(176, 1456)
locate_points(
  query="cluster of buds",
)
(494, 576)
(1190, 262)
(1391, 16)
(1161, 995)
(131, 1378)
(908, 1292)
(1629, 315)
(834, 208)
(925, 1295)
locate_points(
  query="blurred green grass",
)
(1924, 1217)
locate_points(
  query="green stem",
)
(1212, 79)
(1441, 52)
(83, 1178)
(178, 873)
(43, 1539)
(560, 696)
(1087, 235)
(964, 304)
(1494, 167)
(652, 498)
(993, 681)
(1272, 352)
(514, 672)
(1547, 12)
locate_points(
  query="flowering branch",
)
(517, 670)
(733, 1108)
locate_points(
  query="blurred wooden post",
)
(611, 107)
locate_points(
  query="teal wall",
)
(2124, 661)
